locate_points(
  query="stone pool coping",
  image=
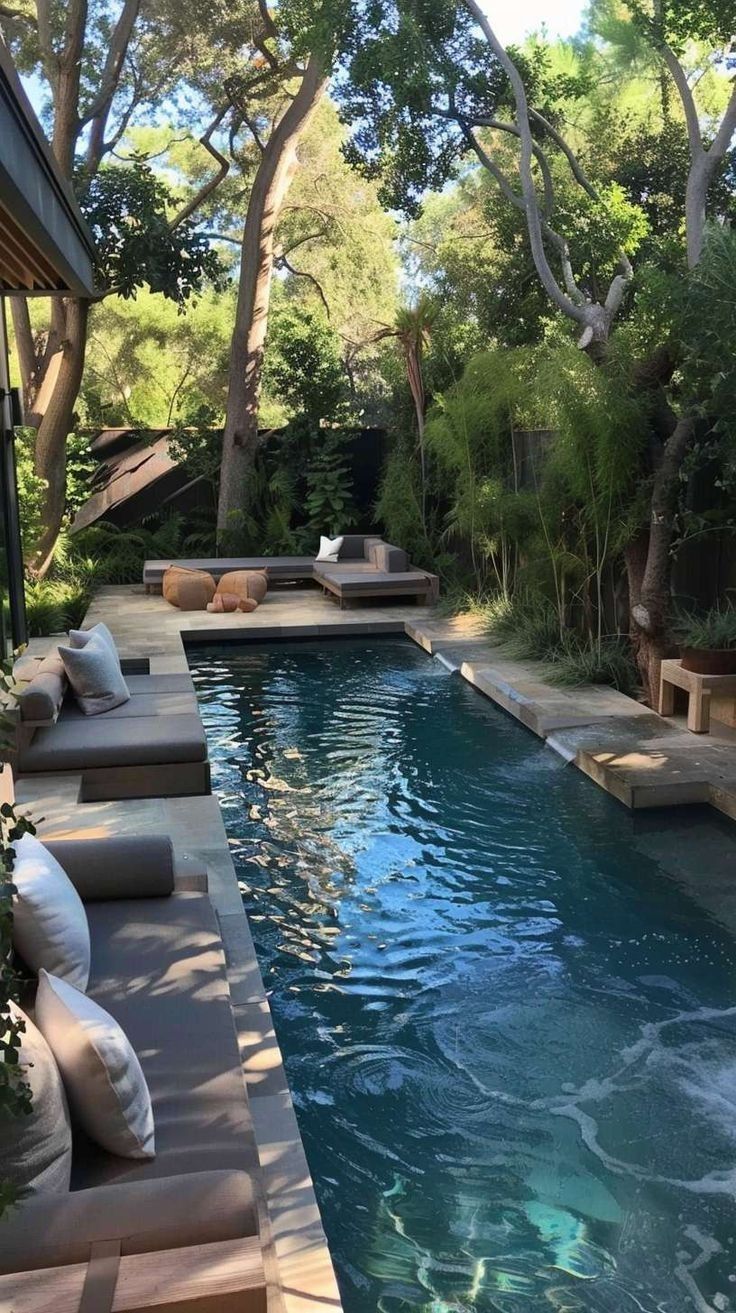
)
(627, 749)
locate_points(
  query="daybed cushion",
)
(95, 676)
(36, 1148)
(388, 558)
(140, 704)
(135, 741)
(146, 1216)
(354, 582)
(44, 694)
(173, 682)
(158, 968)
(49, 921)
(102, 1076)
(289, 567)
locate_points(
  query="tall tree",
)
(100, 68)
(298, 43)
(429, 84)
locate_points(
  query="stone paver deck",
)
(639, 758)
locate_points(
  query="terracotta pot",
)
(709, 661)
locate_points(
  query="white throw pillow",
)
(329, 549)
(81, 637)
(36, 1147)
(102, 1076)
(50, 926)
(95, 676)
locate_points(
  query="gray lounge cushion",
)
(175, 682)
(50, 927)
(139, 704)
(392, 560)
(146, 1216)
(95, 676)
(36, 1148)
(43, 695)
(158, 968)
(140, 741)
(126, 866)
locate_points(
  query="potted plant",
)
(708, 640)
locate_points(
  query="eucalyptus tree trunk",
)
(270, 189)
(55, 421)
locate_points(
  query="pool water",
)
(509, 1028)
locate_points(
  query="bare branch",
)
(117, 50)
(282, 263)
(212, 183)
(301, 241)
(679, 77)
(577, 169)
(570, 307)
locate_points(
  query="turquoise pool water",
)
(509, 1029)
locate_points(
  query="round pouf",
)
(247, 585)
(190, 590)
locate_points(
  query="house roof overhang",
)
(45, 246)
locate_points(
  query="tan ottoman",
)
(247, 585)
(190, 590)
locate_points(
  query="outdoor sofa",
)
(185, 1223)
(367, 567)
(152, 746)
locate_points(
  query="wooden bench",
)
(700, 689)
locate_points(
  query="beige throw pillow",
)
(36, 1147)
(103, 1079)
(95, 676)
(50, 926)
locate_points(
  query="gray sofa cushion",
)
(140, 704)
(354, 582)
(36, 1149)
(43, 695)
(164, 683)
(389, 559)
(126, 866)
(288, 567)
(140, 741)
(95, 676)
(353, 547)
(158, 968)
(146, 1216)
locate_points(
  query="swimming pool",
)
(509, 1030)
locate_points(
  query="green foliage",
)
(56, 605)
(128, 210)
(711, 630)
(329, 500)
(610, 662)
(399, 506)
(303, 364)
(116, 556)
(15, 1094)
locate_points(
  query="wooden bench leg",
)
(698, 711)
(666, 704)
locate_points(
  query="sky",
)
(515, 19)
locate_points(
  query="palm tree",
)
(412, 330)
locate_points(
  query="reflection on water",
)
(509, 1030)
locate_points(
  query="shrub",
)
(610, 662)
(711, 630)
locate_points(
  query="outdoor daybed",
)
(152, 746)
(366, 567)
(179, 1230)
